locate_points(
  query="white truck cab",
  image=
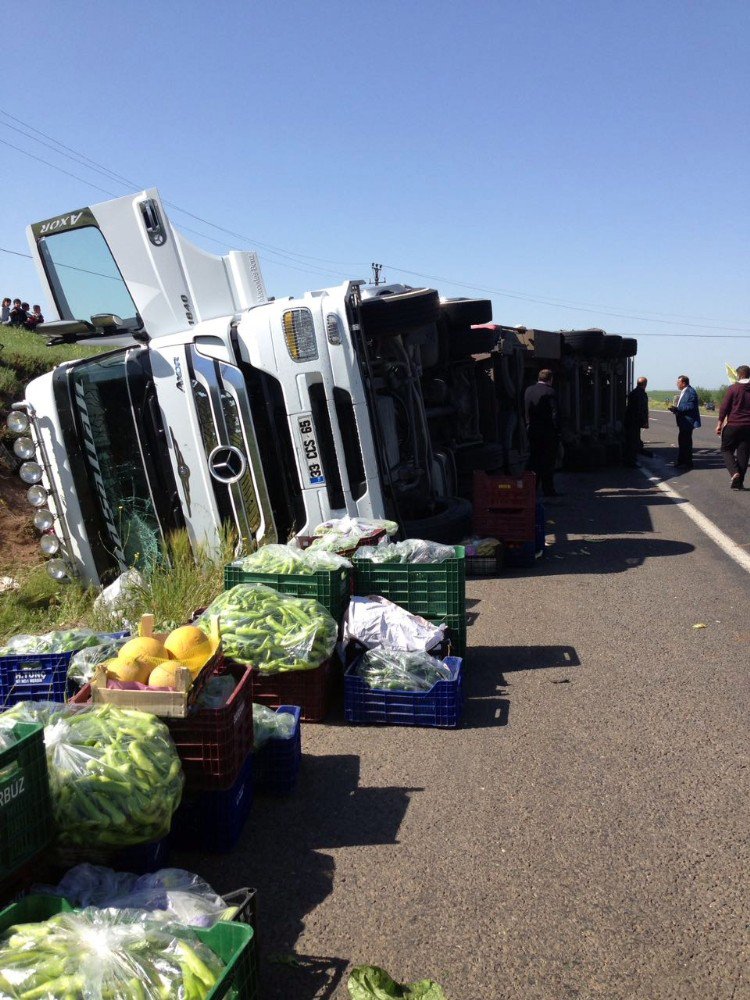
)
(218, 404)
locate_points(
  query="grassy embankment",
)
(171, 590)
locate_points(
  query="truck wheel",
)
(467, 312)
(465, 342)
(629, 347)
(612, 345)
(449, 524)
(392, 314)
(585, 341)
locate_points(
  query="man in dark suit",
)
(636, 418)
(688, 418)
(543, 426)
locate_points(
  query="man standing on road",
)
(688, 418)
(542, 424)
(636, 418)
(735, 437)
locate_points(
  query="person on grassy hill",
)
(688, 418)
(636, 419)
(34, 318)
(542, 423)
(5, 313)
(19, 313)
(734, 427)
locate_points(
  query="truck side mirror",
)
(66, 330)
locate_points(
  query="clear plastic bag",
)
(358, 527)
(168, 894)
(393, 670)
(412, 550)
(217, 692)
(270, 725)
(290, 560)
(106, 954)
(61, 641)
(484, 547)
(115, 776)
(8, 737)
(83, 664)
(272, 631)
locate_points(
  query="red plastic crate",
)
(505, 506)
(311, 690)
(213, 743)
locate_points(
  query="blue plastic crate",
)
(441, 706)
(213, 821)
(277, 762)
(36, 676)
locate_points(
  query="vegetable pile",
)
(412, 550)
(368, 982)
(385, 669)
(286, 560)
(272, 631)
(105, 955)
(270, 725)
(67, 641)
(115, 777)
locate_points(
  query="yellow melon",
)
(189, 645)
(165, 674)
(143, 646)
(127, 670)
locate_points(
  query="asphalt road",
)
(585, 834)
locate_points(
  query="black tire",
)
(467, 312)
(450, 523)
(612, 346)
(392, 314)
(629, 347)
(585, 341)
(465, 342)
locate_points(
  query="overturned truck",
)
(214, 404)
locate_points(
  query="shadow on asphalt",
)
(282, 854)
(487, 701)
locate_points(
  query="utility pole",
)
(376, 269)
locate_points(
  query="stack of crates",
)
(311, 690)
(216, 749)
(435, 591)
(26, 827)
(506, 508)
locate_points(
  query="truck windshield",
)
(84, 277)
(103, 393)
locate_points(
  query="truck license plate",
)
(310, 450)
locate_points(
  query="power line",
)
(301, 259)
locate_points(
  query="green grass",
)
(177, 586)
(27, 354)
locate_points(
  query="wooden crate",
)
(168, 704)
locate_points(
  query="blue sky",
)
(581, 164)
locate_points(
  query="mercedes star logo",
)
(227, 464)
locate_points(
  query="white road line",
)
(725, 543)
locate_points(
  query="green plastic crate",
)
(25, 805)
(457, 626)
(232, 942)
(426, 589)
(331, 588)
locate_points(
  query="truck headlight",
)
(24, 447)
(57, 569)
(43, 520)
(30, 472)
(37, 496)
(50, 545)
(299, 334)
(17, 422)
